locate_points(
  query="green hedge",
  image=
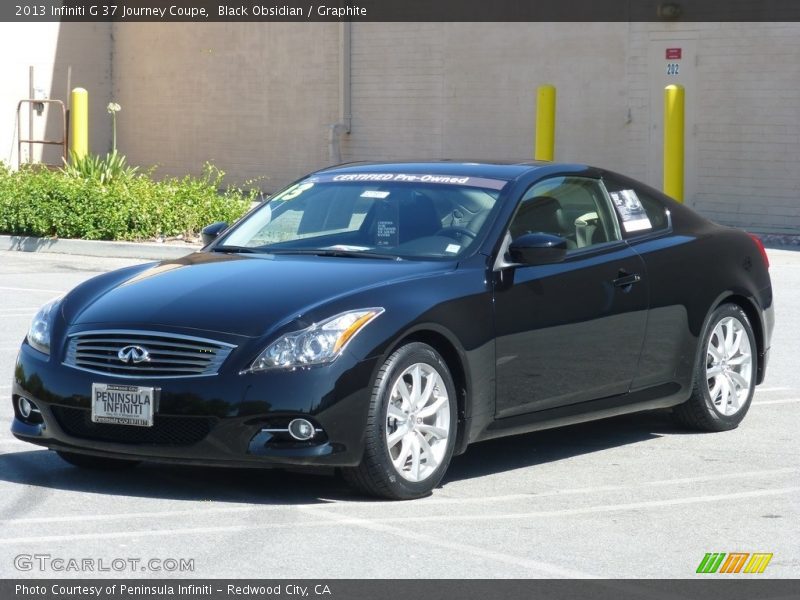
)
(47, 203)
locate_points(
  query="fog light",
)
(26, 407)
(302, 430)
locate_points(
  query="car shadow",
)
(43, 468)
(550, 445)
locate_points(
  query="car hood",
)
(236, 294)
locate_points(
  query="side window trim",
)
(611, 211)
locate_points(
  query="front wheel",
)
(411, 428)
(725, 373)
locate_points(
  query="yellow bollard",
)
(79, 123)
(673, 141)
(545, 123)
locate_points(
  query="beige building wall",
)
(468, 90)
(51, 48)
(749, 137)
(743, 141)
(256, 99)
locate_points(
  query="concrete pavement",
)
(628, 497)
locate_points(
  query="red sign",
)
(674, 53)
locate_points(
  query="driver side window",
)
(574, 208)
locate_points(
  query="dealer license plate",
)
(122, 404)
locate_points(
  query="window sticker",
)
(294, 191)
(452, 248)
(375, 194)
(387, 233)
(630, 211)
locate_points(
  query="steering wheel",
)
(455, 231)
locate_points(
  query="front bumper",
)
(219, 420)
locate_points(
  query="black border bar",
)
(401, 10)
(703, 588)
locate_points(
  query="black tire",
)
(376, 475)
(98, 463)
(699, 412)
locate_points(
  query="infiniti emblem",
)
(133, 354)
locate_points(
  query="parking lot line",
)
(784, 401)
(148, 533)
(541, 569)
(769, 473)
(407, 520)
(33, 290)
(616, 488)
(138, 515)
(645, 504)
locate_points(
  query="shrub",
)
(126, 206)
(92, 166)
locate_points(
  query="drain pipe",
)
(338, 129)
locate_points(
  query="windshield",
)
(371, 214)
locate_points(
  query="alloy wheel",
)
(418, 422)
(729, 366)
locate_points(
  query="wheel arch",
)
(453, 357)
(753, 315)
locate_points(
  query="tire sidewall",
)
(722, 312)
(398, 362)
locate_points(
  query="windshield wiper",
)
(239, 249)
(333, 252)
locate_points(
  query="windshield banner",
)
(478, 182)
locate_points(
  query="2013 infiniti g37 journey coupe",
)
(381, 317)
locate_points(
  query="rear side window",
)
(638, 211)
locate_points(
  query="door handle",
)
(626, 280)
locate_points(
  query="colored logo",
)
(734, 562)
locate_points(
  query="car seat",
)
(417, 216)
(541, 214)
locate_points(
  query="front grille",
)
(167, 430)
(154, 355)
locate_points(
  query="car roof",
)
(496, 169)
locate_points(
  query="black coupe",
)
(379, 318)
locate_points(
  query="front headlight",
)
(318, 344)
(39, 331)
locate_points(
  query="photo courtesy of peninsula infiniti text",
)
(380, 318)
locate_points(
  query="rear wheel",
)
(411, 428)
(725, 373)
(100, 463)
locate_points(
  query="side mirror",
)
(211, 232)
(538, 249)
